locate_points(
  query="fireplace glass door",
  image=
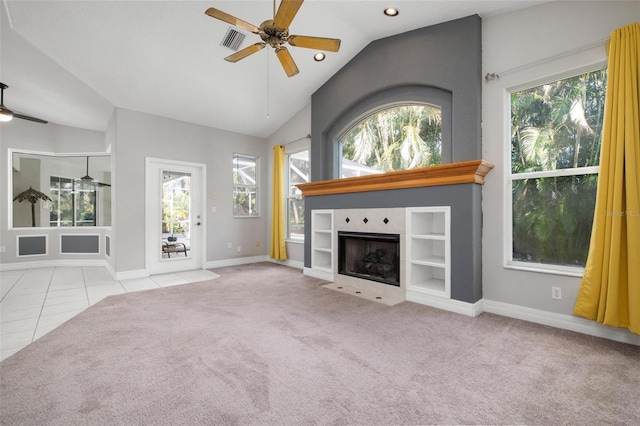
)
(370, 256)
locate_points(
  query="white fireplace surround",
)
(424, 265)
(396, 224)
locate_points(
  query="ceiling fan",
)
(275, 33)
(89, 180)
(6, 114)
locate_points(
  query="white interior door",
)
(174, 216)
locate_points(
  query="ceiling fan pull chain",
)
(268, 77)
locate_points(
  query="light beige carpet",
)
(264, 344)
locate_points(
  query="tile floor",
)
(35, 301)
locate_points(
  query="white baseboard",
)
(464, 308)
(111, 271)
(565, 322)
(318, 274)
(235, 262)
(292, 263)
(52, 264)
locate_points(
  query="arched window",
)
(396, 137)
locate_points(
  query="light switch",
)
(213, 209)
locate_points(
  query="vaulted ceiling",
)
(72, 62)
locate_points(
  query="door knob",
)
(198, 223)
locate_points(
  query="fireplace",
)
(370, 256)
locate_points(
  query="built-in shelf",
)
(428, 251)
(322, 241)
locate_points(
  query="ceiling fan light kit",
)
(275, 33)
(7, 115)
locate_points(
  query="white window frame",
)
(361, 169)
(256, 186)
(290, 150)
(509, 263)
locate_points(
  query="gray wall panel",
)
(29, 246)
(89, 244)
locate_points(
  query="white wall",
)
(26, 135)
(293, 131)
(521, 47)
(141, 135)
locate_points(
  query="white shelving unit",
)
(322, 245)
(428, 251)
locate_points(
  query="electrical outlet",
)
(239, 249)
(556, 293)
(3, 249)
(229, 245)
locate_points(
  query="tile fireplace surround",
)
(374, 223)
(455, 186)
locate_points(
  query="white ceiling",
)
(165, 58)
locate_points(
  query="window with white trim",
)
(298, 171)
(555, 152)
(396, 137)
(73, 203)
(245, 186)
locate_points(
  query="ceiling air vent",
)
(232, 39)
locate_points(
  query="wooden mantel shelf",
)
(445, 174)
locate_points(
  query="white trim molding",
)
(53, 264)
(565, 322)
(292, 263)
(452, 305)
(234, 262)
(315, 273)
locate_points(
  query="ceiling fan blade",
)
(241, 54)
(225, 17)
(26, 117)
(287, 62)
(319, 43)
(286, 12)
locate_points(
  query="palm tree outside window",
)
(555, 152)
(398, 137)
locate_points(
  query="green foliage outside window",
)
(298, 172)
(176, 205)
(555, 137)
(73, 203)
(399, 138)
(245, 185)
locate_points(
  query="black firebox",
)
(370, 256)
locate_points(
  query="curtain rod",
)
(492, 76)
(308, 136)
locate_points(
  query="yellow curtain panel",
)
(278, 246)
(610, 289)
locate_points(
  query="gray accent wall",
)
(444, 58)
(440, 64)
(464, 199)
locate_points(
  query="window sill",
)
(294, 241)
(546, 269)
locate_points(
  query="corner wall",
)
(524, 47)
(50, 138)
(141, 135)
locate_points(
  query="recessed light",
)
(391, 11)
(319, 57)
